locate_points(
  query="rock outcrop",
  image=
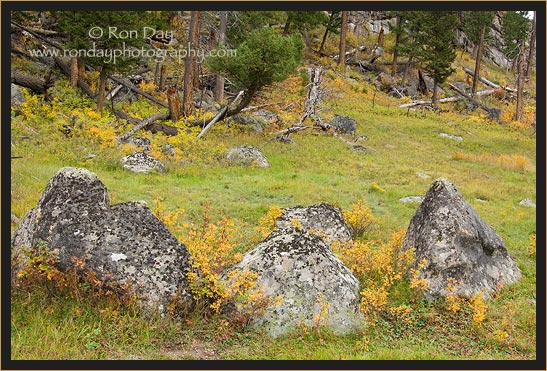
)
(247, 156)
(322, 219)
(124, 244)
(457, 244)
(141, 162)
(301, 269)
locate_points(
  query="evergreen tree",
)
(263, 58)
(303, 19)
(514, 30)
(332, 25)
(244, 22)
(473, 24)
(102, 31)
(431, 37)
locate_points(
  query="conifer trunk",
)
(219, 86)
(189, 65)
(342, 54)
(102, 88)
(478, 62)
(520, 81)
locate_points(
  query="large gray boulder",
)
(124, 244)
(301, 269)
(457, 244)
(323, 219)
(247, 156)
(17, 97)
(141, 162)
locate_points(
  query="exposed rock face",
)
(140, 162)
(344, 124)
(322, 219)
(300, 268)
(457, 243)
(247, 155)
(124, 244)
(17, 96)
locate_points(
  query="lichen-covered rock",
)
(257, 123)
(323, 219)
(124, 244)
(301, 269)
(142, 143)
(247, 155)
(169, 150)
(17, 97)
(344, 124)
(457, 244)
(140, 162)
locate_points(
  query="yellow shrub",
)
(532, 245)
(359, 218)
(479, 308)
(454, 303)
(267, 222)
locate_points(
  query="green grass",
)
(318, 168)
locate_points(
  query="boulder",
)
(269, 116)
(344, 124)
(257, 123)
(247, 155)
(322, 219)
(140, 162)
(301, 269)
(124, 244)
(457, 244)
(142, 143)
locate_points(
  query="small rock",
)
(481, 200)
(389, 146)
(453, 137)
(247, 155)
(90, 156)
(422, 175)
(169, 150)
(269, 116)
(284, 139)
(143, 143)
(344, 124)
(527, 203)
(412, 199)
(140, 162)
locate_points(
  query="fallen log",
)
(493, 113)
(488, 82)
(33, 83)
(445, 100)
(138, 124)
(130, 86)
(220, 115)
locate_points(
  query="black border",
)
(8, 363)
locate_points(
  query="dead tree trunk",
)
(532, 47)
(219, 86)
(189, 65)
(343, 27)
(174, 104)
(331, 19)
(478, 62)
(396, 47)
(157, 74)
(493, 113)
(74, 71)
(405, 72)
(380, 41)
(102, 88)
(520, 81)
(314, 95)
(434, 97)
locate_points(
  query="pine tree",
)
(263, 58)
(431, 36)
(514, 30)
(477, 26)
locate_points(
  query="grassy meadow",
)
(493, 167)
